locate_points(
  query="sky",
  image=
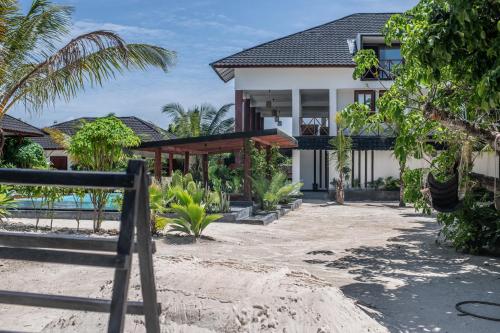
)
(200, 31)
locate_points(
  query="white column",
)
(295, 112)
(332, 112)
(295, 165)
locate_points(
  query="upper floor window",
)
(388, 58)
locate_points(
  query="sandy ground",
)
(322, 268)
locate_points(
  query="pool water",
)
(68, 202)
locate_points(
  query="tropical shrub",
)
(6, 201)
(23, 154)
(192, 217)
(342, 146)
(475, 226)
(415, 190)
(158, 201)
(100, 146)
(270, 192)
(264, 165)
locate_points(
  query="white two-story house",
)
(299, 82)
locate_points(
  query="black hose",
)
(459, 309)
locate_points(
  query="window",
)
(366, 97)
(388, 58)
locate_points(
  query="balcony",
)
(384, 72)
(314, 126)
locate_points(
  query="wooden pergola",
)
(217, 144)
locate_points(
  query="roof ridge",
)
(299, 32)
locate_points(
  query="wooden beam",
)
(158, 164)
(186, 162)
(170, 164)
(67, 302)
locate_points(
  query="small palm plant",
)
(192, 217)
(342, 145)
(6, 202)
(269, 193)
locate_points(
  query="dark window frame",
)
(366, 92)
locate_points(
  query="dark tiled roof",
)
(143, 129)
(324, 45)
(14, 126)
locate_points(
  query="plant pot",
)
(444, 195)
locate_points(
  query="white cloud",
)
(127, 31)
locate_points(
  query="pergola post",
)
(247, 166)
(170, 164)
(205, 169)
(158, 164)
(268, 159)
(186, 162)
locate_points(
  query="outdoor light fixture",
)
(351, 43)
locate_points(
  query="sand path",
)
(289, 276)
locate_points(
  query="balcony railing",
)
(384, 72)
(314, 126)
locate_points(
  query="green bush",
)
(23, 154)
(269, 193)
(475, 226)
(192, 217)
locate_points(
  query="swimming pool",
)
(68, 202)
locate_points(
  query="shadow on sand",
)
(413, 283)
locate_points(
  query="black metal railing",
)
(315, 126)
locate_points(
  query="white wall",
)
(487, 164)
(299, 78)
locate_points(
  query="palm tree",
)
(36, 72)
(199, 120)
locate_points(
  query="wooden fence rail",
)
(134, 223)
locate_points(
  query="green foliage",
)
(35, 71)
(415, 191)
(199, 120)
(191, 218)
(264, 165)
(158, 200)
(223, 178)
(342, 146)
(269, 193)
(475, 226)
(6, 202)
(23, 153)
(100, 146)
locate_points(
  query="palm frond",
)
(88, 60)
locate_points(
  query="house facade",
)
(299, 82)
